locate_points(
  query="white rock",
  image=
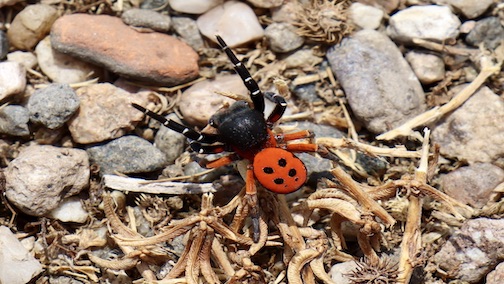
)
(193, 6)
(366, 17)
(26, 58)
(12, 79)
(428, 68)
(17, 265)
(234, 21)
(62, 68)
(41, 176)
(470, 8)
(429, 22)
(70, 210)
(199, 102)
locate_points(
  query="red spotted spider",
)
(243, 130)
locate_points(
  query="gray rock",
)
(488, 31)
(473, 184)
(41, 176)
(473, 251)
(307, 93)
(340, 270)
(128, 154)
(170, 142)
(474, 131)
(4, 45)
(381, 88)
(146, 19)
(154, 4)
(282, 37)
(319, 130)
(14, 120)
(18, 264)
(53, 106)
(428, 22)
(429, 68)
(188, 30)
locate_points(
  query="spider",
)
(243, 130)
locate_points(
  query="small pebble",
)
(473, 251)
(14, 120)
(106, 41)
(228, 18)
(17, 263)
(105, 112)
(303, 58)
(470, 133)
(282, 37)
(70, 210)
(146, 19)
(340, 271)
(128, 154)
(428, 68)
(193, 6)
(473, 184)
(428, 22)
(381, 88)
(61, 68)
(286, 12)
(365, 17)
(470, 9)
(188, 30)
(199, 102)
(53, 106)
(497, 275)
(156, 5)
(12, 79)
(4, 45)
(170, 142)
(307, 93)
(25, 58)
(31, 25)
(36, 188)
(267, 4)
(488, 31)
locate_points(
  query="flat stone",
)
(473, 184)
(470, 133)
(17, 263)
(31, 25)
(61, 68)
(41, 176)
(106, 41)
(53, 105)
(105, 112)
(234, 21)
(429, 22)
(380, 86)
(12, 79)
(199, 102)
(128, 154)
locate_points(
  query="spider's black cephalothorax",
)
(241, 127)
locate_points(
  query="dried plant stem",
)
(361, 196)
(330, 142)
(412, 239)
(434, 114)
(445, 48)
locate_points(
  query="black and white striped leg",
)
(207, 149)
(255, 93)
(278, 111)
(180, 128)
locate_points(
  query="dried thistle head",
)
(324, 21)
(367, 272)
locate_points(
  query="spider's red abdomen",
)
(279, 170)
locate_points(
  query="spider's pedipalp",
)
(175, 126)
(255, 93)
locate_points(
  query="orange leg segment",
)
(250, 186)
(226, 160)
(295, 135)
(301, 147)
